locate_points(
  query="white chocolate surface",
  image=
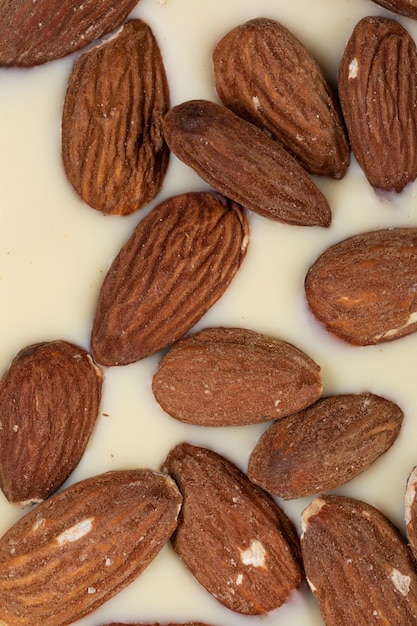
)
(55, 251)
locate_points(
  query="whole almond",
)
(378, 90)
(234, 376)
(49, 403)
(358, 565)
(177, 263)
(32, 33)
(113, 146)
(244, 164)
(410, 510)
(363, 289)
(76, 550)
(267, 76)
(325, 445)
(407, 8)
(232, 536)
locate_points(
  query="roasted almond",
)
(49, 403)
(232, 536)
(234, 376)
(358, 564)
(34, 32)
(363, 289)
(177, 263)
(267, 76)
(378, 90)
(76, 550)
(113, 146)
(243, 163)
(325, 445)
(410, 510)
(407, 8)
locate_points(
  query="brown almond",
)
(49, 403)
(363, 289)
(358, 565)
(325, 445)
(113, 146)
(267, 76)
(34, 32)
(232, 536)
(76, 550)
(378, 90)
(234, 376)
(410, 510)
(407, 8)
(244, 164)
(177, 263)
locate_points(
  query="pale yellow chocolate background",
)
(55, 251)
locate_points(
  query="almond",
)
(76, 550)
(49, 402)
(410, 510)
(113, 147)
(177, 263)
(363, 289)
(32, 33)
(378, 90)
(267, 76)
(358, 565)
(234, 376)
(325, 445)
(244, 164)
(232, 536)
(407, 8)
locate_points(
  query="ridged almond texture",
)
(267, 76)
(82, 546)
(49, 403)
(232, 536)
(358, 565)
(325, 445)
(34, 32)
(234, 376)
(243, 163)
(408, 8)
(113, 147)
(378, 90)
(177, 263)
(363, 289)
(410, 510)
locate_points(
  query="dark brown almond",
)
(234, 376)
(231, 535)
(76, 550)
(113, 146)
(407, 8)
(378, 90)
(410, 510)
(244, 164)
(178, 262)
(34, 32)
(325, 445)
(363, 289)
(49, 403)
(358, 565)
(267, 76)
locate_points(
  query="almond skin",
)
(325, 445)
(49, 403)
(32, 33)
(76, 550)
(177, 263)
(410, 510)
(407, 8)
(378, 90)
(363, 288)
(231, 535)
(234, 376)
(113, 147)
(267, 76)
(358, 565)
(244, 164)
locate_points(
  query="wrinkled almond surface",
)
(49, 403)
(408, 8)
(363, 289)
(325, 445)
(113, 147)
(234, 376)
(82, 546)
(267, 76)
